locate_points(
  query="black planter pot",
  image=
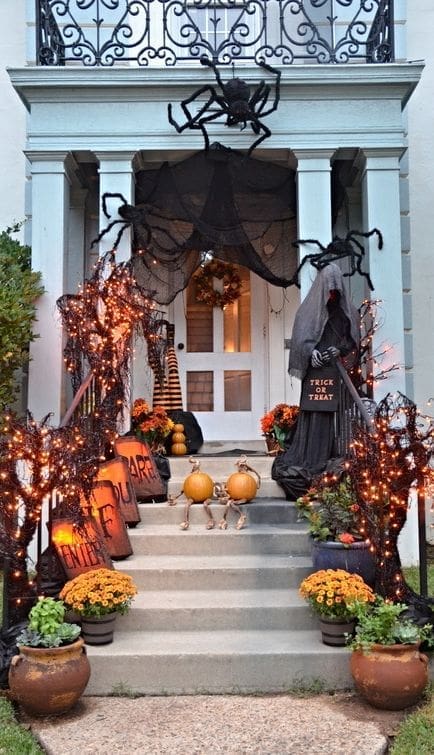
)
(355, 558)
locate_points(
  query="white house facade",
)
(91, 128)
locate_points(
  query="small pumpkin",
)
(242, 485)
(178, 438)
(179, 449)
(178, 428)
(198, 486)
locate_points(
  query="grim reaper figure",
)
(326, 328)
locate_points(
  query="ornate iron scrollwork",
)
(167, 32)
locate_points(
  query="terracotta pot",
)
(355, 558)
(98, 630)
(334, 631)
(391, 677)
(47, 681)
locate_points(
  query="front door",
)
(222, 360)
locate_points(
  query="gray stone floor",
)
(339, 724)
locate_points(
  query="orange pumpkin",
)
(178, 428)
(178, 438)
(198, 486)
(178, 449)
(242, 485)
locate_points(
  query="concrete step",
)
(269, 488)
(217, 662)
(218, 610)
(218, 572)
(258, 538)
(265, 510)
(220, 468)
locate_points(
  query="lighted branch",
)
(384, 468)
(369, 369)
(35, 460)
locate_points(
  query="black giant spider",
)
(339, 249)
(235, 103)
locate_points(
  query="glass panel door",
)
(221, 355)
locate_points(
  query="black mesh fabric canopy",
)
(241, 209)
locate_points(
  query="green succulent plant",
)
(382, 623)
(46, 626)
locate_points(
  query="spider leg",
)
(265, 135)
(207, 62)
(108, 195)
(203, 121)
(106, 230)
(191, 119)
(278, 75)
(260, 98)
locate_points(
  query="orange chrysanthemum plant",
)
(150, 425)
(335, 593)
(278, 422)
(99, 592)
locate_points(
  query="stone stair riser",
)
(268, 489)
(256, 512)
(216, 542)
(218, 672)
(216, 578)
(207, 619)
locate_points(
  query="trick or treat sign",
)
(144, 472)
(104, 507)
(79, 546)
(320, 391)
(116, 471)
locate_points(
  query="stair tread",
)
(265, 501)
(195, 530)
(215, 643)
(155, 599)
(241, 561)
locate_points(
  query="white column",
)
(50, 211)
(115, 177)
(314, 211)
(381, 209)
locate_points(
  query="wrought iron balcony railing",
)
(167, 32)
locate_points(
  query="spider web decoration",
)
(240, 209)
(339, 249)
(384, 467)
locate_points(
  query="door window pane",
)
(237, 387)
(200, 391)
(199, 322)
(236, 318)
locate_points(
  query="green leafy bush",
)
(19, 289)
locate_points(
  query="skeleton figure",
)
(206, 503)
(233, 101)
(223, 497)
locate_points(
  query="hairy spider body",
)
(234, 101)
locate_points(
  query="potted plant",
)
(52, 669)
(386, 665)
(150, 425)
(98, 596)
(277, 425)
(334, 595)
(337, 528)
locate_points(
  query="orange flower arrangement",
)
(279, 421)
(99, 592)
(150, 425)
(335, 593)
